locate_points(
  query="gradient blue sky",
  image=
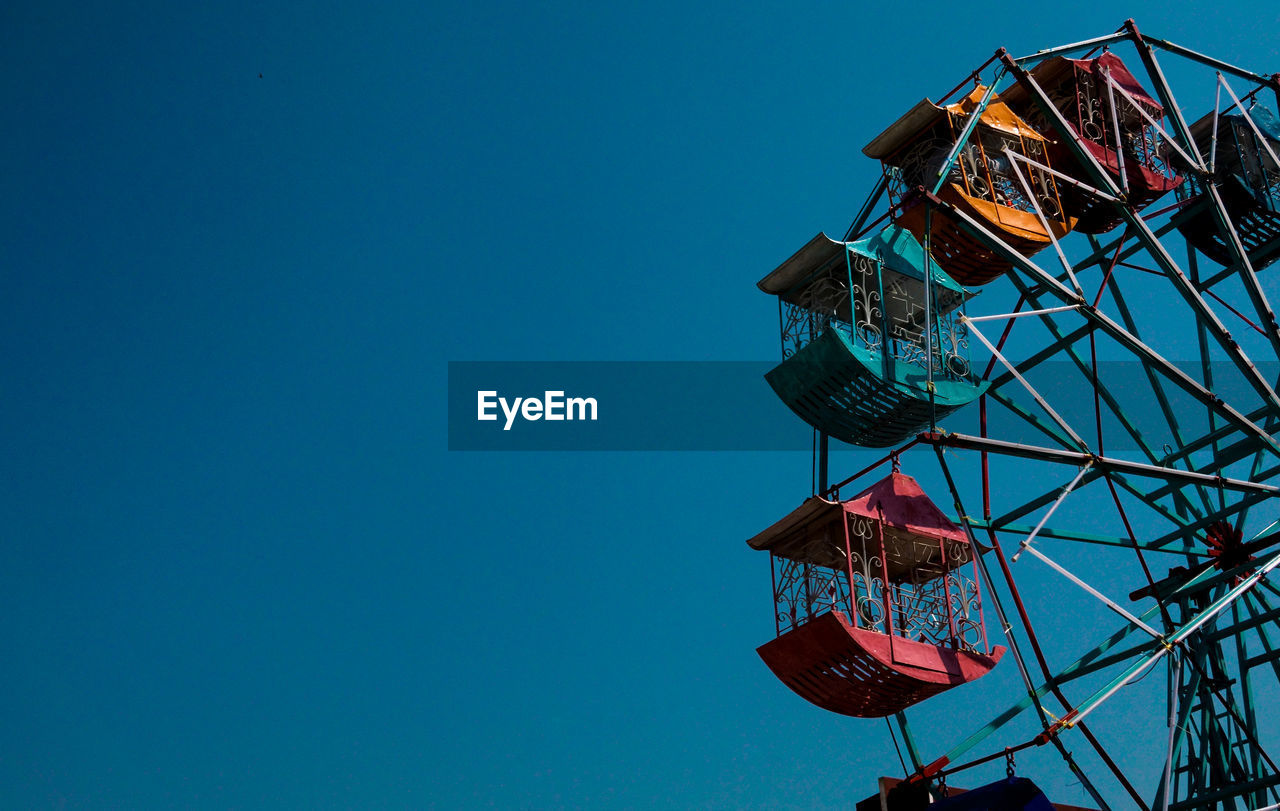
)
(239, 567)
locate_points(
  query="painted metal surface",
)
(982, 182)
(1248, 180)
(873, 345)
(875, 608)
(1106, 124)
(865, 674)
(1010, 794)
(862, 397)
(896, 794)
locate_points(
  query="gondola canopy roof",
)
(926, 114)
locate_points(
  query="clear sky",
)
(239, 566)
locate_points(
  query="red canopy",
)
(1112, 64)
(898, 502)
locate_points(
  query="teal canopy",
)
(893, 248)
(898, 250)
(1266, 121)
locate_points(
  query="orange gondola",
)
(983, 182)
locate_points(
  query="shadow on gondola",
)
(1247, 177)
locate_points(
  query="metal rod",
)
(1103, 463)
(972, 77)
(1075, 46)
(848, 562)
(1269, 81)
(1091, 371)
(823, 452)
(969, 126)
(1113, 87)
(1212, 438)
(1107, 601)
(1044, 223)
(908, 739)
(773, 579)
(1115, 125)
(1248, 276)
(867, 207)
(928, 315)
(1001, 316)
(1059, 176)
(1032, 692)
(1219, 515)
(1005, 625)
(1106, 395)
(1080, 443)
(1157, 389)
(1143, 232)
(1257, 133)
(1026, 544)
(885, 355)
(1182, 633)
(1179, 712)
(1075, 536)
(1044, 667)
(1213, 138)
(1169, 370)
(1049, 429)
(885, 595)
(1083, 666)
(1149, 61)
(1063, 342)
(835, 488)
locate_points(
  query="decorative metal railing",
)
(878, 310)
(802, 591)
(1241, 153)
(980, 168)
(818, 307)
(1090, 109)
(939, 605)
(936, 604)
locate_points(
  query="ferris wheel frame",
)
(1217, 599)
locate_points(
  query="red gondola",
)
(874, 609)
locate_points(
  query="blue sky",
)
(241, 569)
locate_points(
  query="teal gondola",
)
(1248, 180)
(858, 363)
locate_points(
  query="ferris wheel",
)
(1111, 238)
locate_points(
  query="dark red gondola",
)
(1108, 126)
(875, 611)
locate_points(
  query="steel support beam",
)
(1110, 464)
